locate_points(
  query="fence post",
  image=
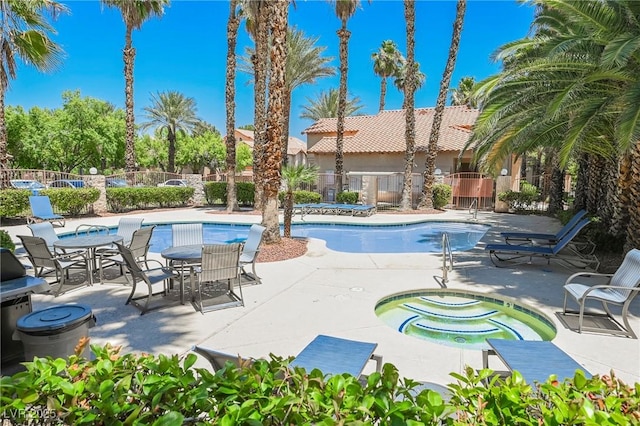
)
(195, 180)
(503, 184)
(99, 182)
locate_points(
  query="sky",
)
(185, 50)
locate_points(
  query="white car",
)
(174, 182)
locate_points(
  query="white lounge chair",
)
(622, 287)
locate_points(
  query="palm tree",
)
(386, 62)
(419, 78)
(134, 13)
(293, 177)
(278, 11)
(172, 112)
(409, 92)
(326, 106)
(24, 34)
(463, 94)
(426, 201)
(345, 9)
(230, 105)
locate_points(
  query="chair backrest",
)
(139, 245)
(564, 241)
(252, 245)
(569, 225)
(130, 261)
(45, 231)
(38, 252)
(220, 262)
(219, 359)
(186, 234)
(41, 205)
(627, 275)
(127, 226)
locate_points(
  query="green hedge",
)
(122, 199)
(301, 197)
(523, 200)
(441, 195)
(14, 202)
(347, 197)
(71, 201)
(165, 390)
(216, 193)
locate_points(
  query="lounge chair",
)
(563, 251)
(527, 237)
(621, 289)
(219, 359)
(250, 252)
(41, 210)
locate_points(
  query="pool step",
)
(470, 314)
(463, 303)
(455, 328)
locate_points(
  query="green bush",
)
(301, 197)
(6, 241)
(245, 192)
(441, 195)
(216, 193)
(347, 197)
(71, 201)
(121, 199)
(523, 200)
(165, 390)
(14, 202)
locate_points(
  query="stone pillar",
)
(196, 182)
(99, 182)
(503, 184)
(369, 190)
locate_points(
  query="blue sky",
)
(185, 51)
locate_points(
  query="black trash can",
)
(54, 331)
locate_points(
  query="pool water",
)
(462, 319)
(423, 237)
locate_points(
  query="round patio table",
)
(89, 242)
(190, 255)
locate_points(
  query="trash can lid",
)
(54, 318)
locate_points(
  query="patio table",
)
(185, 256)
(89, 242)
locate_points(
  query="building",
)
(296, 149)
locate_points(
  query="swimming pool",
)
(461, 318)
(422, 237)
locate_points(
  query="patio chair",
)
(42, 211)
(250, 252)
(45, 231)
(127, 226)
(139, 246)
(563, 251)
(219, 359)
(45, 261)
(621, 289)
(216, 278)
(149, 276)
(186, 234)
(527, 237)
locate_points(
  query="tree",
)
(278, 12)
(426, 201)
(293, 177)
(463, 94)
(386, 63)
(173, 112)
(230, 105)
(24, 34)
(200, 151)
(326, 106)
(419, 78)
(409, 101)
(344, 9)
(134, 14)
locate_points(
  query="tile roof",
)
(294, 146)
(384, 132)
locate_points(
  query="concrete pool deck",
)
(332, 293)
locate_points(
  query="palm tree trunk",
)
(230, 104)
(344, 35)
(622, 197)
(409, 101)
(260, 101)
(128, 55)
(556, 191)
(278, 10)
(171, 136)
(383, 92)
(633, 236)
(580, 201)
(285, 127)
(426, 201)
(4, 157)
(288, 212)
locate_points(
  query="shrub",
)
(441, 195)
(121, 199)
(146, 389)
(216, 193)
(347, 197)
(523, 200)
(14, 202)
(6, 241)
(302, 197)
(72, 201)
(245, 192)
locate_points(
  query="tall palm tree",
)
(134, 13)
(386, 63)
(409, 101)
(278, 11)
(463, 94)
(230, 105)
(419, 78)
(293, 177)
(25, 34)
(344, 9)
(171, 112)
(326, 106)
(426, 201)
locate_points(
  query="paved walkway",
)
(326, 292)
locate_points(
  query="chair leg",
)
(581, 317)
(628, 329)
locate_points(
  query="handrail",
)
(475, 212)
(446, 250)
